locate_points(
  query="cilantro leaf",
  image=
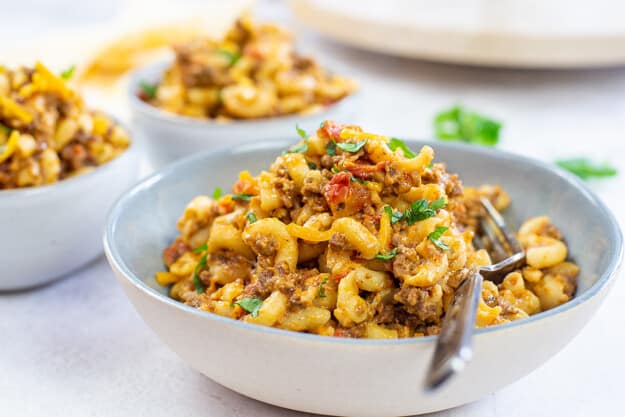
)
(149, 89)
(233, 57)
(217, 193)
(243, 197)
(68, 73)
(331, 148)
(196, 274)
(322, 293)
(351, 146)
(436, 235)
(438, 204)
(386, 256)
(394, 216)
(585, 168)
(201, 248)
(251, 217)
(251, 305)
(398, 143)
(460, 124)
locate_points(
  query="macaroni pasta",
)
(345, 235)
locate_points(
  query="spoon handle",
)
(453, 346)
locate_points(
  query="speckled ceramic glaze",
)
(171, 137)
(49, 231)
(346, 376)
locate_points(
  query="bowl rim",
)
(156, 68)
(114, 258)
(78, 179)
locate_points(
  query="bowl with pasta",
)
(250, 85)
(314, 274)
(61, 167)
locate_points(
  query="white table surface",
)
(76, 347)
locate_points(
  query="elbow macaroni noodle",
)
(333, 243)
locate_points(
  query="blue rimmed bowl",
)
(346, 376)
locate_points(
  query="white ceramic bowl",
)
(358, 377)
(170, 137)
(49, 231)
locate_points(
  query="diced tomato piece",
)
(338, 189)
(332, 129)
(365, 171)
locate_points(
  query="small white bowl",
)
(49, 231)
(338, 376)
(170, 137)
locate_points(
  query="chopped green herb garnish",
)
(322, 125)
(232, 56)
(217, 193)
(251, 305)
(243, 197)
(6, 129)
(331, 148)
(322, 293)
(436, 235)
(312, 165)
(351, 146)
(386, 256)
(196, 274)
(394, 216)
(201, 248)
(398, 143)
(421, 210)
(335, 169)
(251, 217)
(460, 124)
(585, 168)
(149, 89)
(301, 132)
(68, 73)
(298, 148)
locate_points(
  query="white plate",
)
(509, 33)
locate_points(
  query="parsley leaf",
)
(585, 168)
(217, 193)
(251, 305)
(301, 132)
(460, 124)
(436, 235)
(6, 129)
(298, 148)
(196, 277)
(243, 197)
(233, 57)
(398, 143)
(394, 216)
(312, 165)
(68, 73)
(322, 125)
(149, 89)
(386, 256)
(351, 146)
(251, 217)
(421, 210)
(200, 249)
(322, 293)
(331, 148)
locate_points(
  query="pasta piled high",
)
(254, 72)
(46, 133)
(351, 234)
